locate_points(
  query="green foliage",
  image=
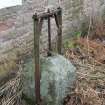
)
(78, 34)
(69, 44)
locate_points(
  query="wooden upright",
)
(37, 62)
(38, 21)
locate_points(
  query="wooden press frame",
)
(38, 21)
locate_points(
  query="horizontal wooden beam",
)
(45, 15)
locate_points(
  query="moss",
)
(28, 100)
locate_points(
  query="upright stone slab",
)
(57, 76)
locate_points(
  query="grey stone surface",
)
(57, 76)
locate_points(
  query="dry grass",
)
(10, 92)
(90, 84)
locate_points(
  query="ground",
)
(88, 56)
(90, 84)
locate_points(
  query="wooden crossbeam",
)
(45, 15)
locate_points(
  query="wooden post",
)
(40, 25)
(49, 35)
(56, 20)
(37, 62)
(59, 46)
